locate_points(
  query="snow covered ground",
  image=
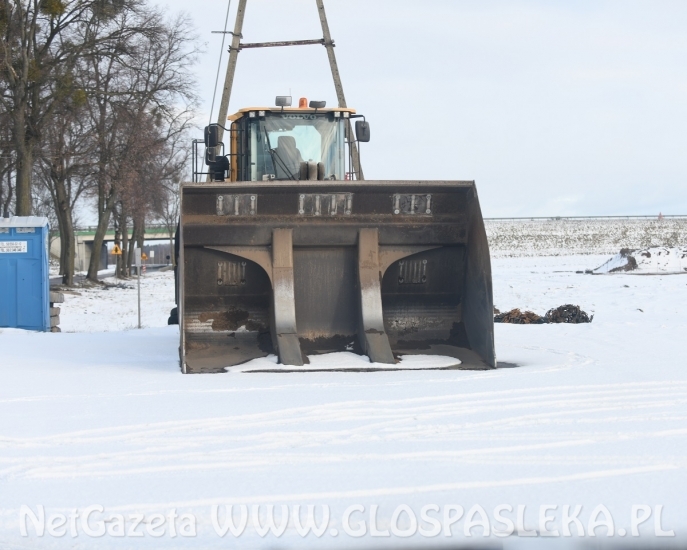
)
(593, 415)
(114, 307)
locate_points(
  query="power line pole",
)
(236, 46)
(231, 67)
(338, 86)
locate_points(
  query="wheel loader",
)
(285, 250)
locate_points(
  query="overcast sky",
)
(574, 107)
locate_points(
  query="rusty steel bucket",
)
(296, 268)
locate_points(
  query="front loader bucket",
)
(296, 268)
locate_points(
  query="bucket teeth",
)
(284, 298)
(372, 334)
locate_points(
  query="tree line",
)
(97, 99)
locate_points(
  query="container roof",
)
(24, 221)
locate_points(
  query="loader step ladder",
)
(326, 41)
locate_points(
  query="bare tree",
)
(96, 98)
(38, 54)
(6, 165)
(43, 206)
(148, 77)
(64, 172)
(167, 168)
(168, 214)
(152, 161)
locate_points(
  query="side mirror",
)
(362, 131)
(211, 155)
(211, 136)
(283, 101)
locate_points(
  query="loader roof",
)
(242, 112)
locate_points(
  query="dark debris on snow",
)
(563, 314)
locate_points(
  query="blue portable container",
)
(24, 273)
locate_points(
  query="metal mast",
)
(237, 46)
(231, 67)
(329, 44)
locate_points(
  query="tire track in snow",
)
(397, 409)
(328, 496)
(254, 441)
(277, 449)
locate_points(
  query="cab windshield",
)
(280, 142)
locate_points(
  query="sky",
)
(554, 108)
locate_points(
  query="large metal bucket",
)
(383, 268)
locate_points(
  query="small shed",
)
(24, 273)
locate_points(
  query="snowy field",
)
(593, 415)
(115, 307)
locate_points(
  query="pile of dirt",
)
(567, 314)
(517, 317)
(652, 260)
(562, 314)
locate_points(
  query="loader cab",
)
(283, 143)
